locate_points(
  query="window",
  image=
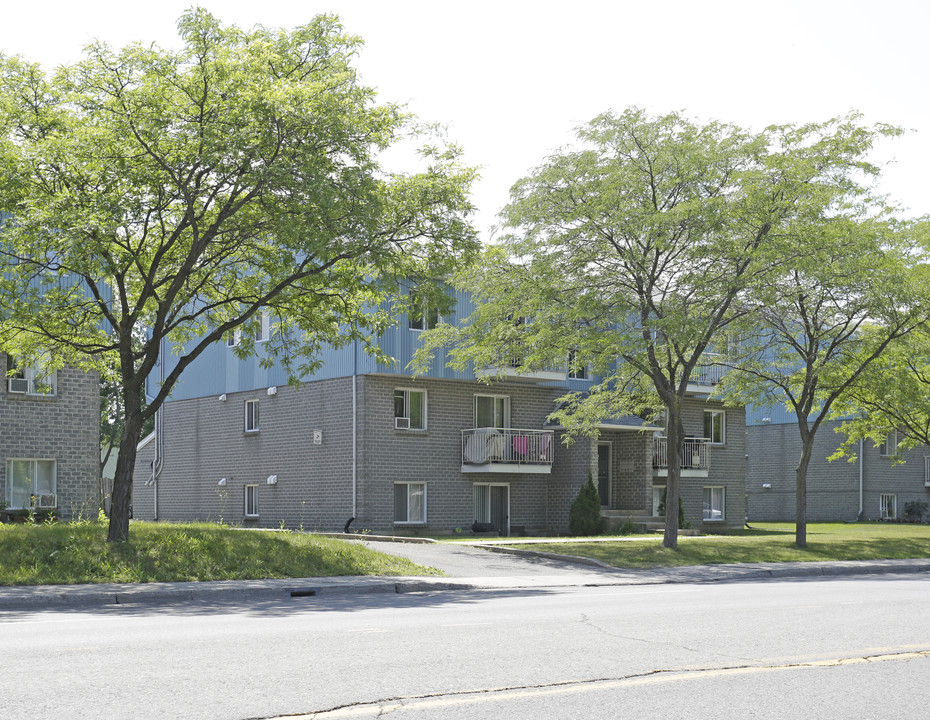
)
(409, 503)
(888, 506)
(30, 378)
(889, 447)
(251, 415)
(714, 504)
(422, 316)
(263, 328)
(233, 337)
(31, 483)
(715, 426)
(576, 370)
(492, 411)
(409, 409)
(251, 501)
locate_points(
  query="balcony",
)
(512, 368)
(505, 450)
(708, 375)
(695, 457)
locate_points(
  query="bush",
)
(914, 510)
(681, 511)
(584, 517)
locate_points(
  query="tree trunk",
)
(674, 433)
(121, 498)
(807, 449)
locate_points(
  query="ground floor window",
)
(714, 500)
(251, 501)
(658, 500)
(31, 483)
(889, 506)
(409, 502)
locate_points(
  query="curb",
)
(41, 597)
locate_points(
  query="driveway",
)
(460, 561)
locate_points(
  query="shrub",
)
(914, 510)
(681, 511)
(584, 517)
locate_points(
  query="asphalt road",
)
(772, 649)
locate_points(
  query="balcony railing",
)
(695, 453)
(506, 446)
(710, 372)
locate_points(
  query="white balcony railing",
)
(506, 446)
(709, 373)
(695, 453)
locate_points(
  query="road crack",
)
(386, 706)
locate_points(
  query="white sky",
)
(511, 80)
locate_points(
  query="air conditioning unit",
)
(401, 423)
(19, 385)
(47, 501)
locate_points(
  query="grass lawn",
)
(766, 542)
(73, 553)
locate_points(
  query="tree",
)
(632, 252)
(584, 517)
(891, 395)
(854, 289)
(186, 193)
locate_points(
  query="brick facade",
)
(305, 442)
(63, 427)
(832, 487)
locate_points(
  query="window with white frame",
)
(577, 370)
(888, 506)
(251, 416)
(714, 504)
(409, 409)
(30, 378)
(251, 501)
(889, 447)
(422, 316)
(31, 483)
(492, 411)
(715, 426)
(233, 337)
(263, 328)
(409, 503)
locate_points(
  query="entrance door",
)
(603, 472)
(492, 506)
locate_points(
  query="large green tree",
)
(632, 254)
(854, 288)
(185, 193)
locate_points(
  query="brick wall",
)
(832, 487)
(64, 428)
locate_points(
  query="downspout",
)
(861, 509)
(354, 428)
(159, 434)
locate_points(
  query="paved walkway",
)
(467, 567)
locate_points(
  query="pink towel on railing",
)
(521, 444)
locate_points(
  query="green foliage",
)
(915, 510)
(681, 510)
(636, 253)
(71, 553)
(584, 517)
(628, 527)
(185, 193)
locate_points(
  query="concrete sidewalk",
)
(468, 568)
